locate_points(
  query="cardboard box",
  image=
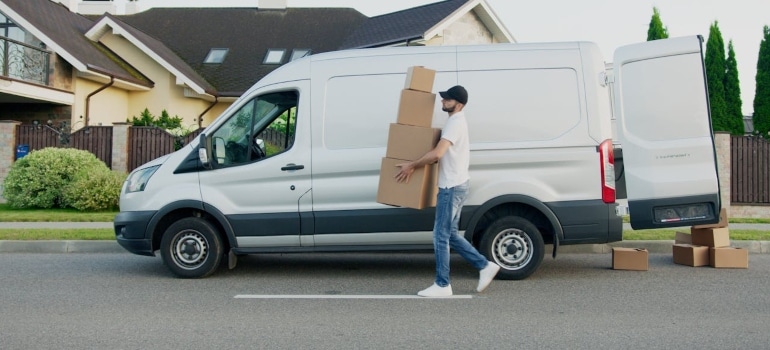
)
(691, 255)
(420, 192)
(420, 78)
(410, 142)
(722, 221)
(682, 238)
(629, 259)
(729, 257)
(416, 108)
(711, 237)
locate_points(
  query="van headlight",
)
(138, 180)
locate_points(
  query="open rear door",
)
(664, 127)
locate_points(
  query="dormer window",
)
(299, 53)
(216, 56)
(274, 56)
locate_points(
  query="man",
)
(453, 149)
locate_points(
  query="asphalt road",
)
(123, 301)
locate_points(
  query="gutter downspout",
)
(88, 98)
(200, 116)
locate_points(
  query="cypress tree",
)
(762, 94)
(733, 93)
(715, 74)
(656, 30)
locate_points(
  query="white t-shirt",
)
(453, 166)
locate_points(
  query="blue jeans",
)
(446, 233)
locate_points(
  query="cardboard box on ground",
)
(409, 139)
(685, 253)
(634, 259)
(709, 245)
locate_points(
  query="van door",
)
(664, 127)
(261, 167)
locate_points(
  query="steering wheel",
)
(258, 151)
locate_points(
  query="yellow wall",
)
(106, 107)
(165, 95)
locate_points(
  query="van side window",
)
(262, 128)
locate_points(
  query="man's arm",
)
(428, 158)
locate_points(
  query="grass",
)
(90, 234)
(655, 235)
(9, 214)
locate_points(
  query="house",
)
(98, 67)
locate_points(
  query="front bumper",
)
(131, 231)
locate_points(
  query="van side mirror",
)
(203, 154)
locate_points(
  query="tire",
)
(191, 248)
(516, 245)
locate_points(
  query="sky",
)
(609, 23)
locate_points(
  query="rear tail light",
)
(607, 164)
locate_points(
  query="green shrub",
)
(94, 191)
(38, 179)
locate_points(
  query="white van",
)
(293, 165)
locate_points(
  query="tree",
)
(762, 94)
(656, 30)
(164, 121)
(733, 93)
(715, 74)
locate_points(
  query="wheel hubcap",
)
(190, 249)
(512, 249)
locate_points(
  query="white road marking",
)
(341, 296)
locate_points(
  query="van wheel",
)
(191, 248)
(515, 244)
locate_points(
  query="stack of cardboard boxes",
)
(705, 245)
(709, 245)
(409, 139)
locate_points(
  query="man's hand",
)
(405, 172)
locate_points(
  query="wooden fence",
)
(95, 139)
(146, 143)
(750, 163)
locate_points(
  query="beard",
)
(449, 109)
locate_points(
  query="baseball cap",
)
(456, 93)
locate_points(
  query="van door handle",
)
(292, 166)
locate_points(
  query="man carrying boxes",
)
(453, 154)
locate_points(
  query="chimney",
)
(132, 7)
(271, 4)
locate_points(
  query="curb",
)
(56, 247)
(79, 246)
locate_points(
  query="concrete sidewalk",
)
(79, 246)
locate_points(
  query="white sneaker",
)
(436, 291)
(486, 275)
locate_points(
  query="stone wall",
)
(7, 150)
(467, 30)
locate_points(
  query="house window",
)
(216, 56)
(10, 30)
(274, 56)
(299, 53)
